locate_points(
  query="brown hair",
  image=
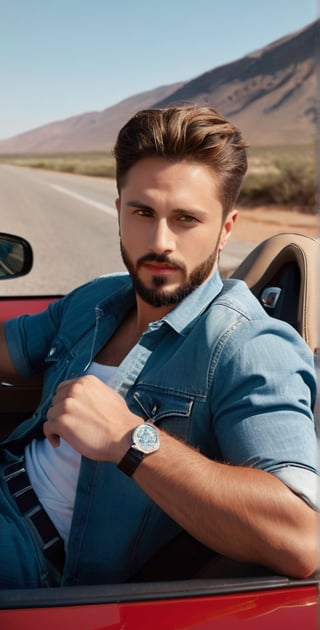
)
(185, 133)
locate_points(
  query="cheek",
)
(127, 229)
(133, 239)
(193, 256)
(199, 245)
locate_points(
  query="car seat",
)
(283, 273)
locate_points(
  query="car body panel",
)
(293, 607)
(16, 305)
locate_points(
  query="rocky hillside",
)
(270, 94)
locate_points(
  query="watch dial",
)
(147, 436)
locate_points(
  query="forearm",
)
(243, 513)
(8, 372)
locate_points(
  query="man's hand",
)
(93, 418)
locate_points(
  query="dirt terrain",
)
(260, 223)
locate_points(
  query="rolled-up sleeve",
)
(262, 401)
(29, 336)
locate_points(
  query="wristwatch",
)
(144, 440)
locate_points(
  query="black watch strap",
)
(131, 461)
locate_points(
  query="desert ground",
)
(259, 223)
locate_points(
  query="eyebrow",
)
(138, 204)
(143, 206)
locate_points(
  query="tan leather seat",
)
(283, 273)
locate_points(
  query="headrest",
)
(267, 270)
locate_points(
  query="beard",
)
(158, 295)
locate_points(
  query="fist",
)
(92, 417)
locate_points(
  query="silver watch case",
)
(145, 438)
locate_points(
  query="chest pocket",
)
(169, 411)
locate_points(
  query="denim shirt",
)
(216, 372)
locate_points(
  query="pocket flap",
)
(158, 405)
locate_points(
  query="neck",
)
(146, 313)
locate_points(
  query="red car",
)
(186, 587)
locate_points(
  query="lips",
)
(160, 268)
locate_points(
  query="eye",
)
(188, 218)
(143, 212)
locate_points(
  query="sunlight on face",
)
(171, 228)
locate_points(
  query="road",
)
(72, 225)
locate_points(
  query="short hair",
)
(185, 132)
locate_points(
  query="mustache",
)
(160, 258)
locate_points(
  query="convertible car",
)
(186, 586)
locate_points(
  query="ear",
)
(227, 228)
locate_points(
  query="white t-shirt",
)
(54, 472)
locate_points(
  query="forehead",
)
(153, 174)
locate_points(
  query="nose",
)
(161, 238)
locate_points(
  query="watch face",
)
(145, 438)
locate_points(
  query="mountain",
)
(270, 94)
(85, 132)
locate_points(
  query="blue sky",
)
(60, 58)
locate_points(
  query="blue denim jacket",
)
(216, 372)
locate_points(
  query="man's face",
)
(171, 228)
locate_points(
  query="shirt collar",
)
(123, 299)
(194, 304)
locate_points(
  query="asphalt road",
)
(71, 223)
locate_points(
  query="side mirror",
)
(16, 257)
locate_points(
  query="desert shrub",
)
(288, 180)
(93, 164)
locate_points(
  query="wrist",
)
(144, 440)
(122, 446)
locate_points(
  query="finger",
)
(63, 391)
(65, 385)
(53, 438)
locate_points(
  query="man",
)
(171, 400)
